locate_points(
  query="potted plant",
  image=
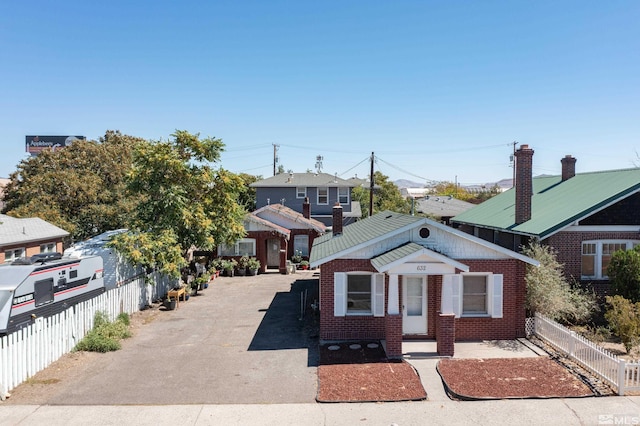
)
(170, 304)
(296, 258)
(252, 266)
(241, 268)
(229, 267)
(304, 264)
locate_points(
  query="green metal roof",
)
(360, 233)
(555, 204)
(401, 252)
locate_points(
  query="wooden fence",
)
(623, 376)
(27, 351)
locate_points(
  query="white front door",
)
(414, 305)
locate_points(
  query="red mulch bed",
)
(365, 375)
(539, 377)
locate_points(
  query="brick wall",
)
(569, 248)
(510, 326)
(347, 327)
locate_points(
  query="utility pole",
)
(275, 157)
(371, 186)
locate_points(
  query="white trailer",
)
(44, 285)
(117, 271)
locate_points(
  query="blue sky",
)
(439, 90)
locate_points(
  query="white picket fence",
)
(27, 351)
(623, 376)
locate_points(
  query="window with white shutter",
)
(378, 295)
(339, 294)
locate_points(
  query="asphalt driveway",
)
(243, 340)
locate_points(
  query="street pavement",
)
(243, 353)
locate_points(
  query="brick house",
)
(274, 233)
(393, 276)
(24, 237)
(584, 216)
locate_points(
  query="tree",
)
(80, 188)
(624, 274)
(550, 294)
(247, 196)
(185, 203)
(387, 196)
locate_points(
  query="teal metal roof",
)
(360, 233)
(555, 204)
(379, 262)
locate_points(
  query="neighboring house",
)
(393, 276)
(441, 207)
(274, 234)
(585, 216)
(28, 236)
(323, 191)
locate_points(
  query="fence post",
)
(572, 344)
(622, 366)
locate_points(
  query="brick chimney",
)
(524, 183)
(337, 220)
(306, 208)
(568, 167)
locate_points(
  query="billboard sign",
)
(37, 144)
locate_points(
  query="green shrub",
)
(624, 273)
(105, 336)
(624, 319)
(124, 317)
(549, 293)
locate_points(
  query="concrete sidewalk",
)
(581, 411)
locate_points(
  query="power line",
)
(406, 172)
(367, 158)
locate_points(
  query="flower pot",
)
(170, 305)
(228, 272)
(252, 272)
(241, 272)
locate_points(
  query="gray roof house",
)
(322, 190)
(22, 237)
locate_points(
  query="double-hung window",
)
(243, 247)
(323, 195)
(11, 255)
(343, 195)
(47, 248)
(301, 191)
(596, 256)
(472, 295)
(358, 293)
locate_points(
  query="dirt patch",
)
(503, 378)
(71, 367)
(361, 372)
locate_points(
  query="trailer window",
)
(43, 291)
